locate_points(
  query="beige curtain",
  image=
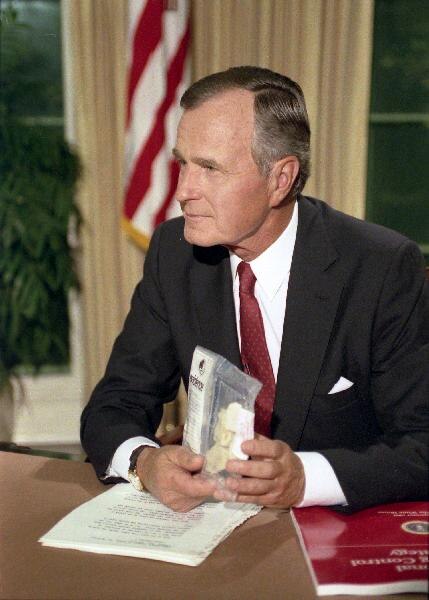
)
(110, 265)
(324, 44)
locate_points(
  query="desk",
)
(260, 560)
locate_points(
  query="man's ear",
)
(282, 177)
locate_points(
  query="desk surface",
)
(261, 559)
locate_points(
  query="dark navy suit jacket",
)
(357, 307)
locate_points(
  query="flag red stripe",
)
(146, 38)
(140, 179)
(161, 215)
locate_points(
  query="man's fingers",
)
(263, 448)
(193, 486)
(274, 477)
(187, 460)
(254, 468)
(250, 499)
(253, 487)
(182, 457)
(262, 500)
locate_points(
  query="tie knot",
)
(247, 278)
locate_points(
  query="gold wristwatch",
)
(133, 478)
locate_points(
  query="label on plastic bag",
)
(199, 394)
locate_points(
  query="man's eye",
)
(209, 168)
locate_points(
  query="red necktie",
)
(254, 352)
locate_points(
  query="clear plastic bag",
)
(221, 401)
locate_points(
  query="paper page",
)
(127, 522)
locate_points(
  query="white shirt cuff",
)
(121, 459)
(321, 484)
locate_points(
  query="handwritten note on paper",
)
(127, 522)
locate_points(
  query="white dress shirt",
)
(271, 269)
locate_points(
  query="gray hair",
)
(281, 121)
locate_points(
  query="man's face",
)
(223, 196)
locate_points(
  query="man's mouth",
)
(194, 216)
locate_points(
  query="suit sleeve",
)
(142, 373)
(394, 468)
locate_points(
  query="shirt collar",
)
(272, 267)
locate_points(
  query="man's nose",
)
(187, 185)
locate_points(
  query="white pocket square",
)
(341, 385)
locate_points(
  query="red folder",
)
(379, 550)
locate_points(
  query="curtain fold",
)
(325, 45)
(109, 264)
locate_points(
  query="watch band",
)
(133, 478)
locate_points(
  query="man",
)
(343, 304)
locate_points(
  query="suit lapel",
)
(213, 297)
(315, 286)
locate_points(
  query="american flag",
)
(158, 74)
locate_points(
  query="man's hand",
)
(171, 474)
(273, 477)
